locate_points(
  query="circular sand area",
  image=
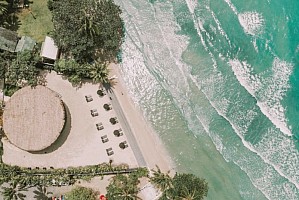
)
(33, 118)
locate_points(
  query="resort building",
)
(10, 41)
(34, 118)
(49, 51)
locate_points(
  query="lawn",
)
(36, 20)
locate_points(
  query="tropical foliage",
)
(41, 193)
(13, 191)
(3, 7)
(22, 70)
(19, 70)
(46, 177)
(180, 187)
(125, 186)
(76, 72)
(81, 193)
(87, 29)
(161, 180)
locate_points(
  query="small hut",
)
(49, 51)
(33, 118)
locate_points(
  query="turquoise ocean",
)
(219, 82)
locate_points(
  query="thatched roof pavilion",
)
(33, 118)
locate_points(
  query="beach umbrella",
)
(100, 93)
(106, 106)
(122, 145)
(116, 133)
(112, 120)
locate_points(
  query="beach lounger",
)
(105, 140)
(88, 98)
(94, 112)
(110, 153)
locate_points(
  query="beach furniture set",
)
(109, 151)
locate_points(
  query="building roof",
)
(33, 118)
(25, 43)
(49, 49)
(8, 40)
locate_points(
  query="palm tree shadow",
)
(41, 193)
(11, 22)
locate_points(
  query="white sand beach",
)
(148, 140)
(80, 143)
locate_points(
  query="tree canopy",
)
(76, 72)
(81, 193)
(125, 187)
(88, 29)
(180, 187)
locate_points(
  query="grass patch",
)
(36, 21)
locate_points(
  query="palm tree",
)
(99, 73)
(122, 187)
(41, 193)
(13, 192)
(89, 25)
(188, 195)
(163, 181)
(3, 7)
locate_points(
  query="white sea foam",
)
(222, 32)
(252, 148)
(273, 87)
(264, 176)
(234, 9)
(191, 5)
(252, 22)
(281, 151)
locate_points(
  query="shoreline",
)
(147, 138)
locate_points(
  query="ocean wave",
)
(270, 90)
(266, 177)
(191, 5)
(234, 9)
(252, 22)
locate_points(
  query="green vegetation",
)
(14, 191)
(77, 72)
(81, 193)
(41, 193)
(3, 7)
(181, 186)
(47, 177)
(124, 186)
(19, 70)
(36, 21)
(88, 29)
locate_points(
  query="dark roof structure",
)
(25, 43)
(8, 40)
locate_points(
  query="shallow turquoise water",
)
(218, 80)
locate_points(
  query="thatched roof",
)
(33, 118)
(8, 40)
